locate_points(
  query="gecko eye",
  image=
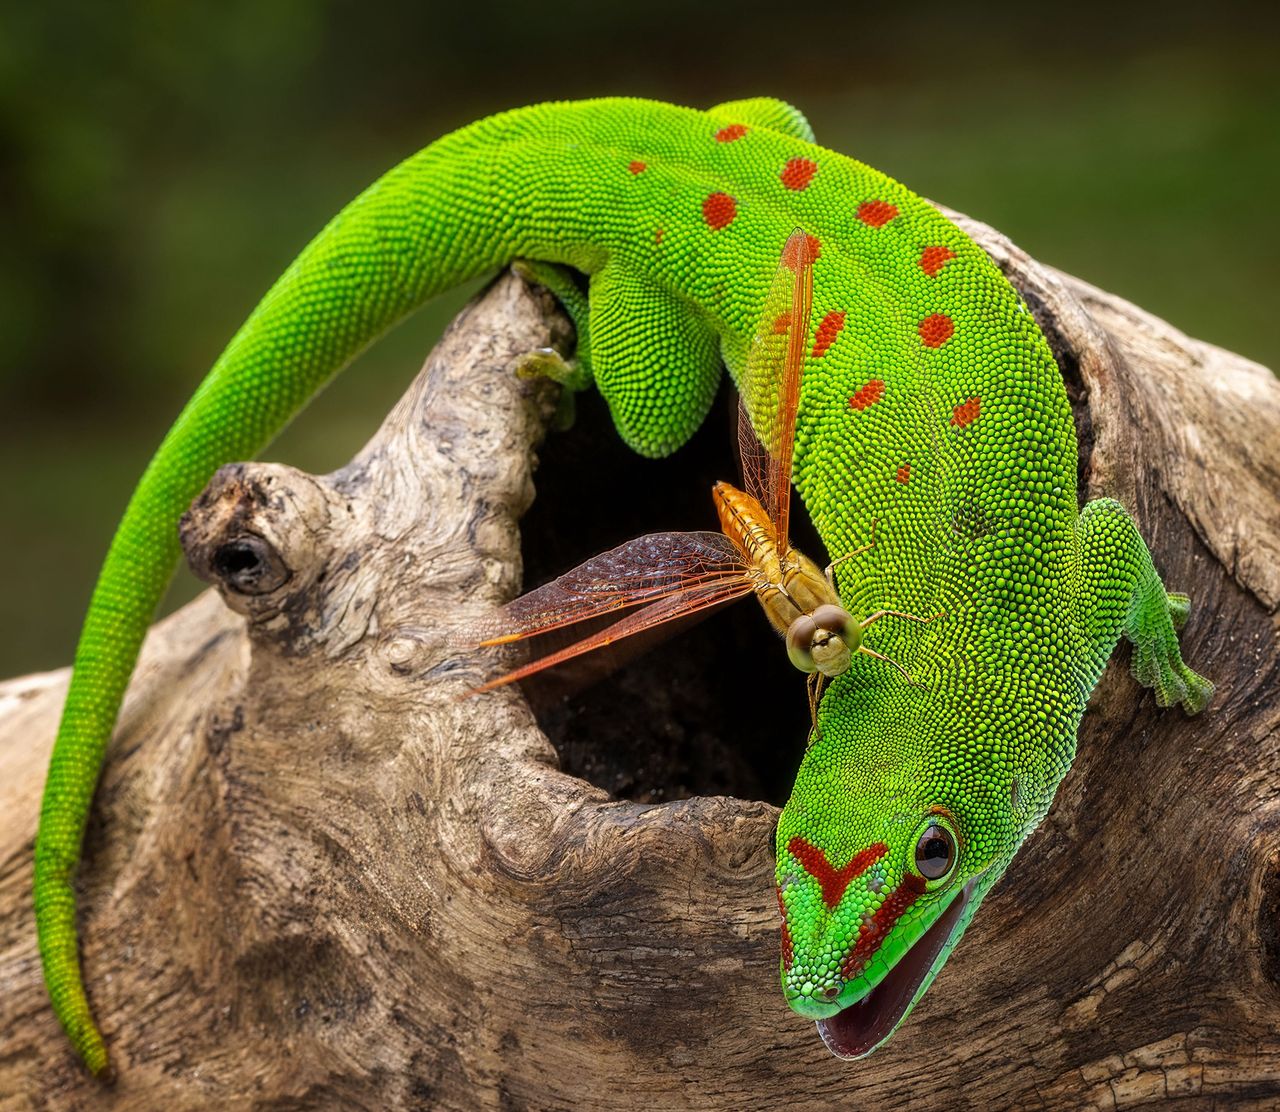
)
(935, 852)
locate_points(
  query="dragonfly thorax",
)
(798, 597)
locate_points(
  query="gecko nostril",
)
(830, 992)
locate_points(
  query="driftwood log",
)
(315, 879)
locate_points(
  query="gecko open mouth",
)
(857, 1030)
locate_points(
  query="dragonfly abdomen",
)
(744, 521)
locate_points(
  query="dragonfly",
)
(670, 576)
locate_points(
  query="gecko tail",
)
(385, 254)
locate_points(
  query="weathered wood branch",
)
(314, 879)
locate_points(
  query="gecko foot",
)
(1157, 659)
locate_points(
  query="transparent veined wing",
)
(689, 600)
(644, 569)
(770, 383)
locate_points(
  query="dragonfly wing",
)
(690, 600)
(644, 569)
(770, 384)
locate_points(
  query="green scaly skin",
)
(679, 225)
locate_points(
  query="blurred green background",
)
(161, 163)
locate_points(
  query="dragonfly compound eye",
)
(800, 635)
(834, 639)
(833, 619)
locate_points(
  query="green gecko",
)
(931, 405)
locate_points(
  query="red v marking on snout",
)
(834, 881)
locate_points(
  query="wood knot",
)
(249, 565)
(255, 531)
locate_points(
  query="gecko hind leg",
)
(573, 375)
(1122, 593)
(656, 363)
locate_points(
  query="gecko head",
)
(879, 872)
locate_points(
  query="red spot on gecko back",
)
(966, 413)
(658, 233)
(936, 330)
(904, 474)
(868, 395)
(719, 211)
(933, 259)
(798, 173)
(788, 951)
(886, 916)
(636, 167)
(781, 324)
(730, 133)
(833, 881)
(876, 214)
(828, 330)
(790, 253)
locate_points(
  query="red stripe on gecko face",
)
(788, 951)
(833, 881)
(886, 917)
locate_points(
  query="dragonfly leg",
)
(899, 614)
(889, 660)
(817, 681)
(831, 567)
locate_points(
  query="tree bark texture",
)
(315, 878)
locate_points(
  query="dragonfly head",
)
(824, 641)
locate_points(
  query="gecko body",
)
(932, 410)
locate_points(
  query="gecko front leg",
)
(1120, 591)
